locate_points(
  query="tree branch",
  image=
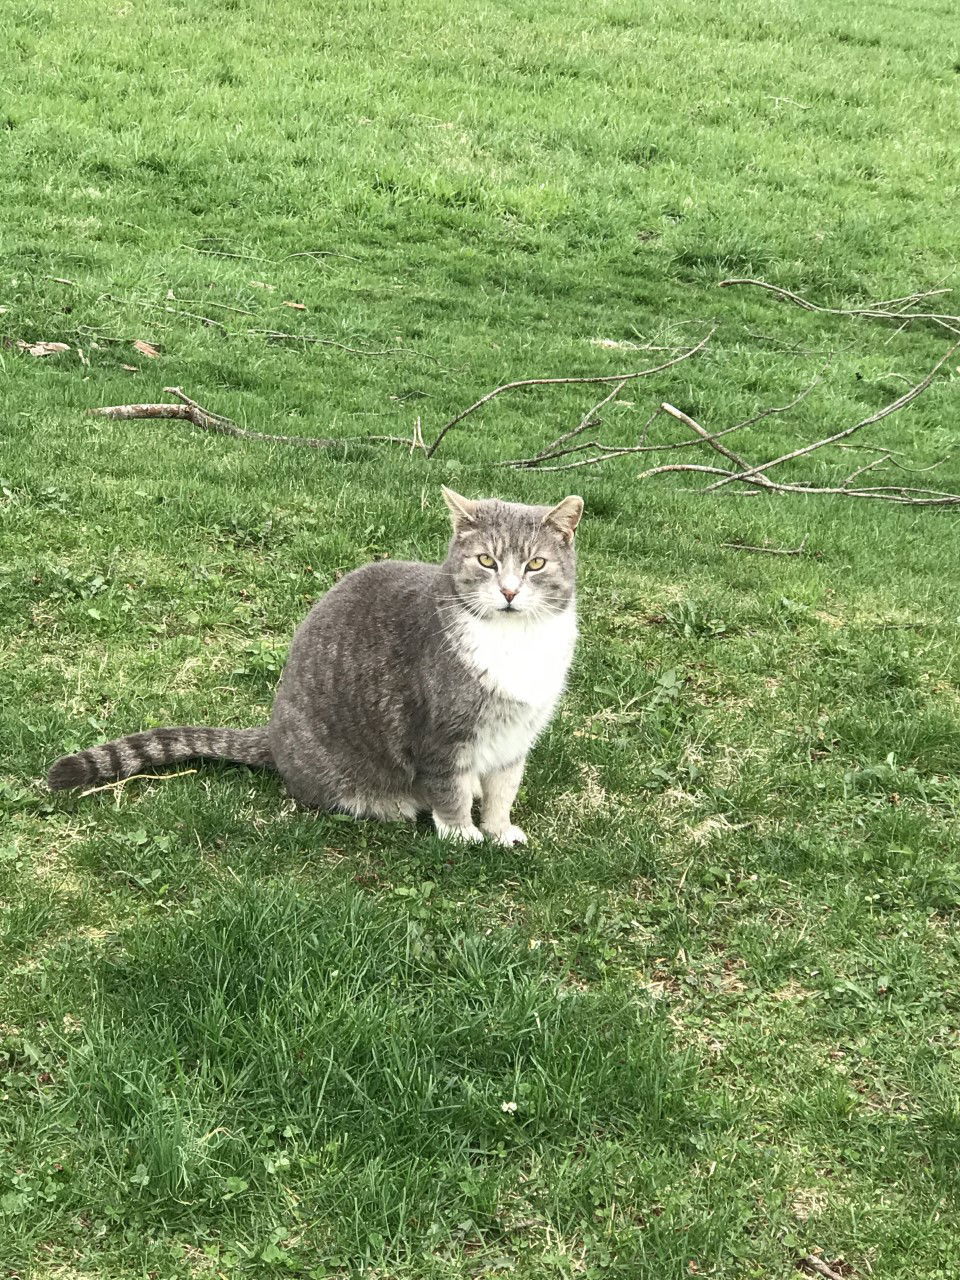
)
(190, 411)
(876, 311)
(554, 382)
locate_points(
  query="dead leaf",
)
(262, 284)
(297, 306)
(171, 296)
(145, 349)
(43, 348)
(130, 368)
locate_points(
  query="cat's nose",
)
(507, 594)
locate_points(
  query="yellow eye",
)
(535, 564)
(488, 562)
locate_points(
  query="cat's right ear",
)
(462, 510)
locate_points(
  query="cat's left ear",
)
(462, 510)
(565, 516)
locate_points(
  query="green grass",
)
(707, 1022)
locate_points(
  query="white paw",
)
(509, 836)
(464, 835)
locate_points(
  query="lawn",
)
(707, 1023)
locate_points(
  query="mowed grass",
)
(707, 1022)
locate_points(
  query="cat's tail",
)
(156, 747)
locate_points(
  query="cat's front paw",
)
(463, 835)
(509, 836)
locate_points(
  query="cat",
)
(409, 687)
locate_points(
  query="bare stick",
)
(279, 335)
(903, 494)
(752, 472)
(781, 408)
(162, 306)
(546, 382)
(241, 311)
(190, 411)
(876, 311)
(767, 551)
(868, 466)
(322, 253)
(792, 103)
(588, 420)
(705, 436)
(222, 253)
(817, 1264)
(417, 439)
(549, 454)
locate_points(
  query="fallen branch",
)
(571, 450)
(277, 335)
(813, 1263)
(875, 311)
(224, 253)
(588, 420)
(754, 475)
(188, 410)
(901, 402)
(162, 306)
(767, 551)
(607, 451)
(555, 382)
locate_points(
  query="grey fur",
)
(385, 707)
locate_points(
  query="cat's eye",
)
(536, 563)
(488, 562)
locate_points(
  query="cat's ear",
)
(462, 510)
(565, 516)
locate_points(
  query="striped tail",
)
(137, 751)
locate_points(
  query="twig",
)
(223, 253)
(818, 1265)
(417, 441)
(175, 311)
(767, 551)
(875, 311)
(321, 253)
(241, 311)
(546, 455)
(588, 420)
(792, 349)
(705, 436)
(278, 335)
(545, 382)
(781, 408)
(790, 100)
(752, 473)
(122, 782)
(868, 466)
(190, 411)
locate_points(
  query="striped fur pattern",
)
(409, 687)
(127, 756)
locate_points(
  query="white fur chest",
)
(524, 665)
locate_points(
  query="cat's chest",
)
(522, 662)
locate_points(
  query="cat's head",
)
(509, 559)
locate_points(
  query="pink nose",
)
(507, 594)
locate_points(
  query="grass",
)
(707, 1022)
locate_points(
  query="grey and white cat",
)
(409, 687)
